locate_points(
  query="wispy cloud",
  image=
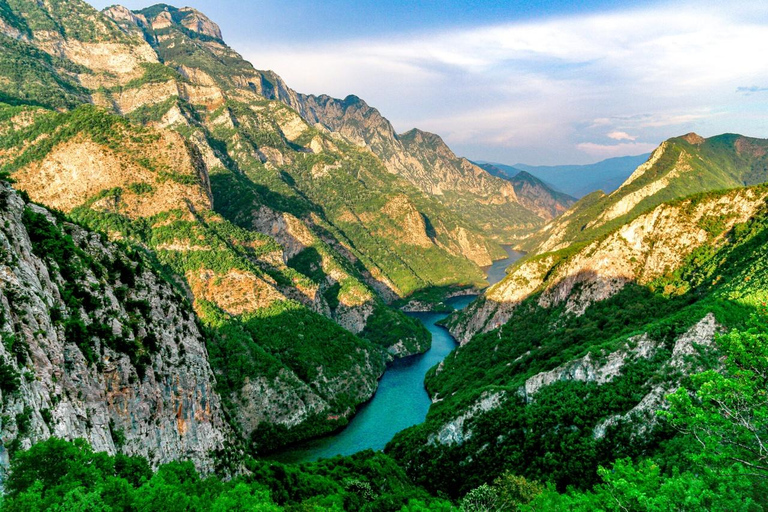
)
(751, 90)
(611, 150)
(621, 136)
(547, 89)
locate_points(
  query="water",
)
(400, 400)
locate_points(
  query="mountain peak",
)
(432, 139)
(163, 16)
(119, 13)
(693, 138)
(198, 22)
(353, 100)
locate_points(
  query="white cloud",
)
(652, 73)
(620, 136)
(610, 150)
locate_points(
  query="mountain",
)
(534, 194)
(98, 345)
(200, 266)
(581, 180)
(679, 167)
(424, 160)
(565, 362)
(146, 126)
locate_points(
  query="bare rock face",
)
(121, 14)
(640, 251)
(588, 369)
(97, 346)
(454, 432)
(198, 22)
(683, 362)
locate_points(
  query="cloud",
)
(548, 85)
(751, 90)
(621, 136)
(611, 150)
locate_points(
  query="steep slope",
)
(425, 161)
(534, 194)
(580, 180)
(270, 144)
(680, 166)
(640, 251)
(97, 345)
(93, 165)
(469, 189)
(579, 348)
(152, 187)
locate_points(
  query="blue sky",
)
(537, 82)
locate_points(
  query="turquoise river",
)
(401, 400)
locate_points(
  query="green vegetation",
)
(83, 321)
(718, 460)
(60, 475)
(551, 439)
(50, 129)
(71, 19)
(29, 77)
(154, 73)
(714, 462)
(287, 335)
(724, 162)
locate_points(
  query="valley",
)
(400, 400)
(220, 293)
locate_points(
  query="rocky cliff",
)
(97, 345)
(425, 161)
(641, 251)
(679, 167)
(582, 346)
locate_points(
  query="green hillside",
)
(551, 438)
(680, 167)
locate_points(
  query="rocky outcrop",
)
(539, 198)
(456, 432)
(79, 169)
(198, 22)
(640, 251)
(424, 160)
(98, 346)
(683, 362)
(592, 369)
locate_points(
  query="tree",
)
(726, 411)
(482, 499)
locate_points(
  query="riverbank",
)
(400, 400)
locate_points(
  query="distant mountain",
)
(533, 193)
(580, 180)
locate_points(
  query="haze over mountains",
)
(201, 264)
(579, 180)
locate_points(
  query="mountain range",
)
(576, 180)
(201, 264)
(261, 204)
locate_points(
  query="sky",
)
(539, 82)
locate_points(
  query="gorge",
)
(219, 293)
(400, 400)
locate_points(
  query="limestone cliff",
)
(98, 346)
(640, 251)
(425, 161)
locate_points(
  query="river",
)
(400, 400)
